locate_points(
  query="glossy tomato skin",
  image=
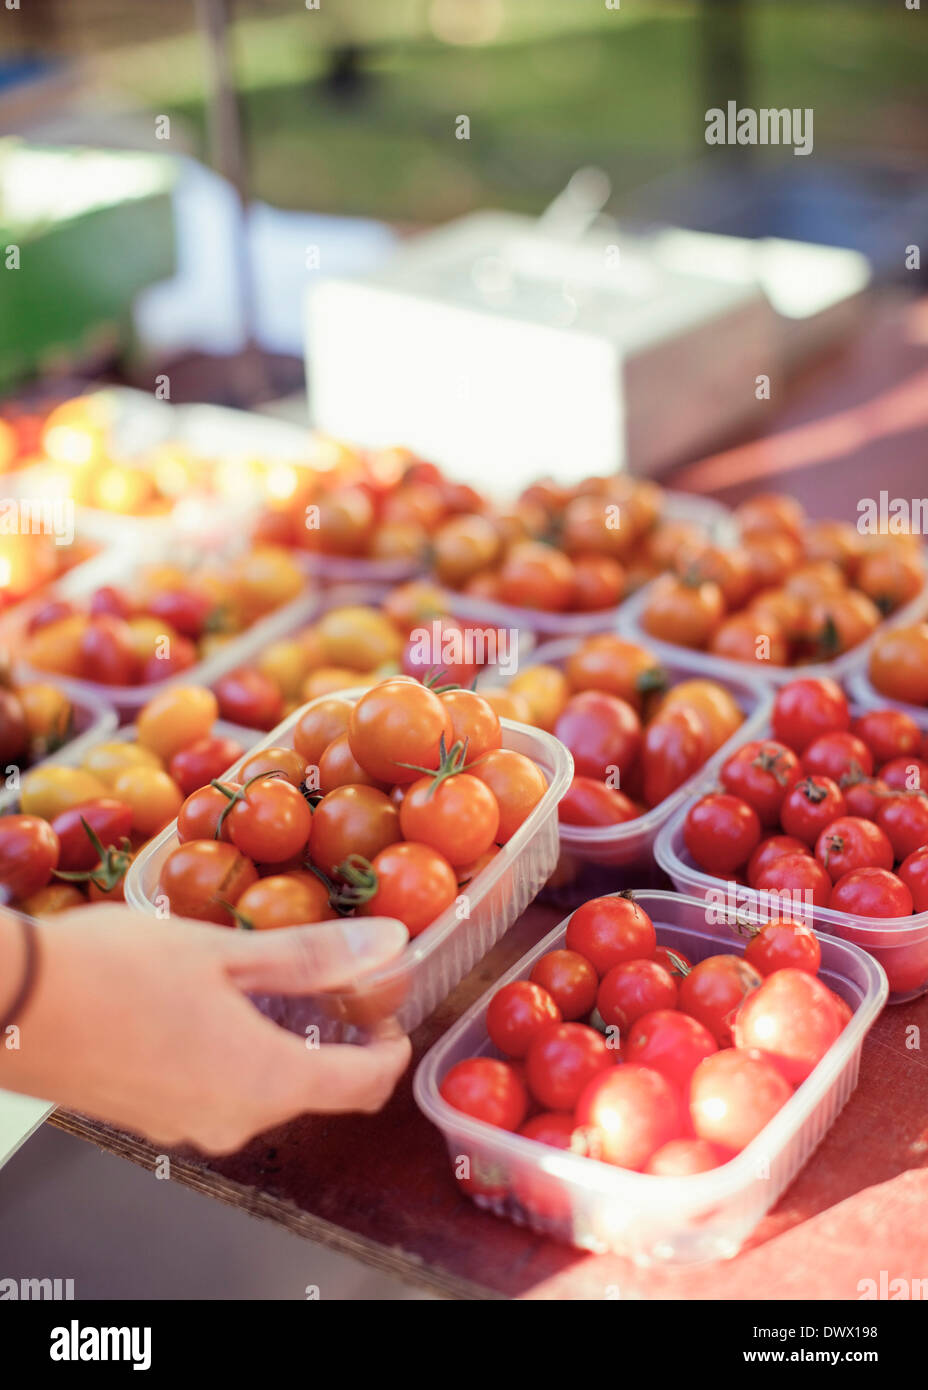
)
(761, 773)
(570, 980)
(713, 992)
(323, 722)
(107, 654)
(784, 945)
(632, 989)
(517, 1014)
(888, 734)
(200, 815)
(628, 1114)
(590, 802)
(249, 697)
(721, 832)
(338, 767)
(271, 822)
(516, 782)
(284, 900)
(458, 816)
(769, 851)
(807, 708)
(872, 893)
(473, 721)
(810, 807)
(837, 755)
(608, 931)
(111, 821)
(676, 962)
(733, 1095)
(670, 1042)
(674, 749)
(602, 732)
(681, 1158)
(555, 1128)
(903, 818)
(792, 1020)
(28, 854)
(281, 760)
(850, 843)
(488, 1090)
(865, 797)
(397, 724)
(198, 877)
(905, 774)
(201, 762)
(180, 656)
(801, 877)
(914, 874)
(414, 884)
(352, 820)
(561, 1060)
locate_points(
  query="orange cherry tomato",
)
(458, 816)
(517, 783)
(199, 877)
(534, 575)
(414, 883)
(396, 729)
(683, 613)
(318, 726)
(352, 820)
(283, 900)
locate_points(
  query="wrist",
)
(19, 959)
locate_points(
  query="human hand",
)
(147, 1026)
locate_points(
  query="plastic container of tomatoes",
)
(93, 721)
(862, 690)
(439, 957)
(678, 506)
(648, 1219)
(723, 667)
(119, 568)
(630, 846)
(900, 944)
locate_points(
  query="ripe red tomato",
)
(791, 1020)
(562, 1059)
(675, 747)
(352, 820)
(632, 989)
(608, 931)
(670, 1042)
(184, 610)
(198, 818)
(602, 732)
(108, 818)
(107, 652)
(629, 1113)
(488, 1090)
(810, 807)
(761, 773)
(28, 854)
(319, 726)
(865, 797)
(872, 893)
(683, 1157)
(570, 980)
(782, 946)
(396, 729)
(199, 763)
(837, 755)
(905, 775)
(733, 1095)
(914, 874)
(110, 600)
(798, 877)
(247, 696)
(554, 1128)
(179, 656)
(517, 1014)
(721, 832)
(414, 884)
(457, 815)
(197, 878)
(850, 843)
(806, 708)
(769, 851)
(713, 992)
(888, 733)
(338, 767)
(589, 802)
(270, 821)
(904, 820)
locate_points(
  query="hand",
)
(146, 1025)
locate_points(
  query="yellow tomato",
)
(714, 706)
(509, 704)
(545, 690)
(154, 797)
(147, 633)
(47, 711)
(286, 664)
(176, 718)
(107, 760)
(359, 638)
(265, 578)
(56, 646)
(47, 791)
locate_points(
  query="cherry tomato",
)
(761, 773)
(414, 884)
(47, 791)
(798, 878)
(782, 946)
(199, 877)
(352, 820)
(905, 774)
(517, 783)
(554, 1128)
(632, 989)
(810, 808)
(681, 1158)
(545, 690)
(609, 663)
(562, 1059)
(473, 721)
(179, 655)
(904, 820)
(899, 663)
(713, 992)
(671, 1043)
(457, 815)
(28, 853)
(848, 843)
(721, 833)
(769, 851)
(283, 900)
(914, 874)
(888, 733)
(281, 760)
(270, 821)
(53, 898)
(589, 802)
(674, 748)
(629, 1113)
(733, 1095)
(439, 649)
(807, 708)
(185, 610)
(249, 697)
(153, 797)
(865, 797)
(872, 893)
(534, 575)
(396, 729)
(517, 1014)
(686, 614)
(318, 726)
(109, 819)
(14, 730)
(487, 1090)
(338, 767)
(176, 718)
(792, 1020)
(602, 732)
(609, 931)
(199, 816)
(109, 599)
(570, 980)
(204, 760)
(837, 755)
(107, 654)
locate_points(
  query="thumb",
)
(302, 960)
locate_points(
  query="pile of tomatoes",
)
(78, 828)
(36, 718)
(168, 620)
(794, 591)
(388, 807)
(621, 1050)
(898, 666)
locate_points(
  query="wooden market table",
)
(380, 1188)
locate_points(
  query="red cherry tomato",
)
(914, 874)
(488, 1090)
(683, 1157)
(888, 733)
(199, 817)
(554, 1128)
(199, 763)
(602, 732)
(249, 697)
(792, 1020)
(628, 1114)
(570, 980)
(415, 884)
(872, 893)
(179, 656)
(713, 992)
(562, 1059)
(905, 775)
(721, 832)
(28, 854)
(806, 708)
(675, 961)
(474, 721)
(799, 879)
(517, 1014)
(865, 797)
(107, 652)
(396, 729)
(439, 648)
(457, 815)
(769, 851)
(675, 747)
(185, 610)
(589, 802)
(849, 843)
(904, 820)
(733, 1095)
(784, 946)
(200, 877)
(109, 819)
(270, 821)
(761, 773)
(837, 755)
(608, 931)
(632, 989)
(671, 1043)
(110, 600)
(810, 807)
